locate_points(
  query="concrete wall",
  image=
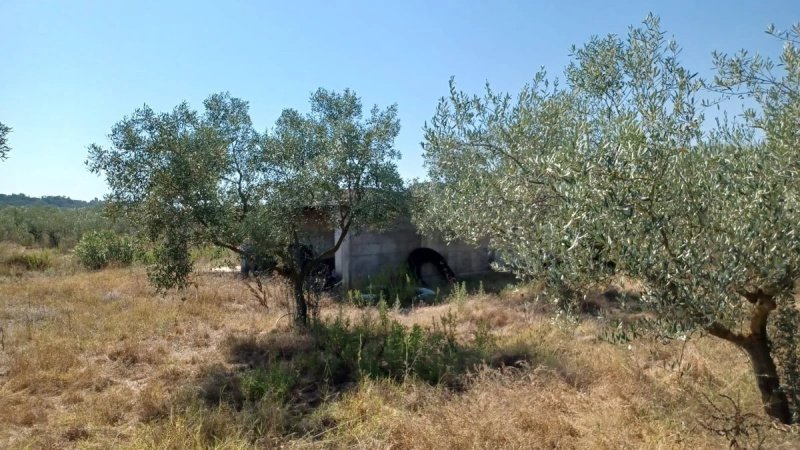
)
(464, 259)
(368, 253)
(314, 231)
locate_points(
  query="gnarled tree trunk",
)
(776, 404)
(757, 346)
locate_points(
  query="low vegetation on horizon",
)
(46, 200)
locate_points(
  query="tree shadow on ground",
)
(301, 369)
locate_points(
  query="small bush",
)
(258, 383)
(39, 261)
(101, 249)
(387, 349)
(213, 255)
(145, 256)
(459, 294)
(396, 286)
(332, 354)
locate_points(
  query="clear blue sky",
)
(69, 70)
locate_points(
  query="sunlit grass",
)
(98, 360)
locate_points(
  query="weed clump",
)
(336, 353)
(101, 249)
(396, 286)
(32, 261)
(387, 349)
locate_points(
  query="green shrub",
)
(387, 349)
(210, 254)
(145, 256)
(299, 369)
(394, 285)
(459, 294)
(40, 260)
(274, 380)
(100, 249)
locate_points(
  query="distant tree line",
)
(49, 200)
(54, 227)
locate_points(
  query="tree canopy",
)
(4, 148)
(192, 178)
(615, 165)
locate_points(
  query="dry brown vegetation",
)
(97, 360)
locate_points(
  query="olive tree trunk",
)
(300, 270)
(757, 346)
(776, 404)
(300, 305)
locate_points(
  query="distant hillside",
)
(50, 200)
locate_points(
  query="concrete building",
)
(367, 253)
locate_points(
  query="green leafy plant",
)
(386, 348)
(52, 226)
(36, 260)
(100, 249)
(459, 294)
(273, 380)
(395, 285)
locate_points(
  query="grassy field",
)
(97, 360)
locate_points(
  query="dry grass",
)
(18, 261)
(96, 360)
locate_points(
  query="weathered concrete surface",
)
(316, 232)
(368, 253)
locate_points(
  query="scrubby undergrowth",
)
(95, 360)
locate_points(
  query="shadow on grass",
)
(301, 369)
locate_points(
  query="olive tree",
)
(775, 88)
(192, 178)
(613, 165)
(4, 148)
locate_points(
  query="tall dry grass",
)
(97, 360)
